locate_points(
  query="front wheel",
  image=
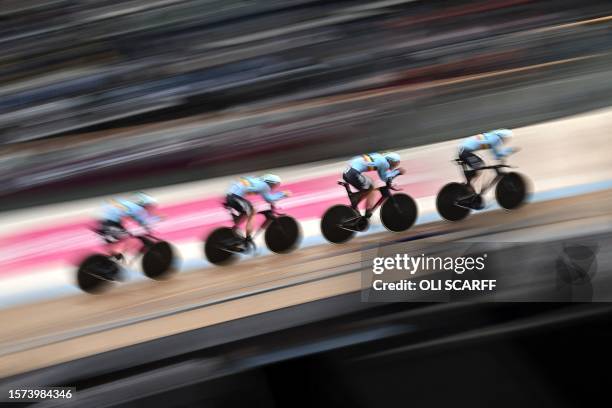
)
(216, 246)
(158, 261)
(333, 220)
(511, 191)
(95, 273)
(398, 213)
(446, 201)
(283, 235)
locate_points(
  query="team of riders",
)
(140, 208)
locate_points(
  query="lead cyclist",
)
(492, 141)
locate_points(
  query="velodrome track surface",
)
(568, 161)
(40, 245)
(64, 329)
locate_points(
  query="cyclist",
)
(493, 140)
(137, 208)
(249, 185)
(386, 164)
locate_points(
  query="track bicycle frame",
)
(270, 215)
(499, 173)
(385, 192)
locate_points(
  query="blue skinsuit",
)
(254, 185)
(120, 208)
(486, 141)
(374, 161)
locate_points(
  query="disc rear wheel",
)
(95, 273)
(216, 246)
(446, 201)
(333, 220)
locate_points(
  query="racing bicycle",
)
(341, 222)
(97, 271)
(282, 235)
(455, 201)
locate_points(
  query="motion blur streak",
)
(177, 98)
(116, 67)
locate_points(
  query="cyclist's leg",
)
(242, 209)
(250, 214)
(249, 225)
(114, 235)
(472, 168)
(473, 177)
(236, 209)
(362, 183)
(370, 197)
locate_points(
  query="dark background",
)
(94, 105)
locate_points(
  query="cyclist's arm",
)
(385, 174)
(392, 173)
(500, 152)
(143, 217)
(272, 197)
